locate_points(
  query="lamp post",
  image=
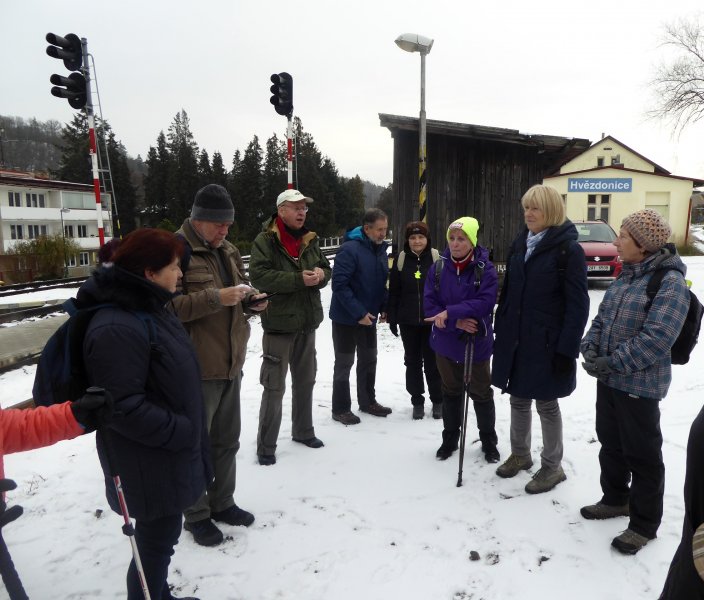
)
(63, 210)
(412, 42)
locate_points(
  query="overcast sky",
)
(545, 67)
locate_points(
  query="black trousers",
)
(628, 428)
(683, 581)
(155, 541)
(348, 340)
(481, 393)
(418, 356)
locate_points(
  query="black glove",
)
(393, 328)
(562, 364)
(7, 515)
(590, 355)
(94, 409)
(599, 367)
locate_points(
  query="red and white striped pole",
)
(289, 136)
(93, 145)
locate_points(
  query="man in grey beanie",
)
(215, 298)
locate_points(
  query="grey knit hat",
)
(213, 204)
(648, 228)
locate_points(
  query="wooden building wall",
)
(473, 177)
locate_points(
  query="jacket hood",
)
(127, 290)
(357, 234)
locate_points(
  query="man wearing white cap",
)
(286, 260)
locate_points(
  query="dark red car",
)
(597, 241)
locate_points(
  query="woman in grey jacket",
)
(627, 349)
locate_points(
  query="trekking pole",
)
(127, 528)
(10, 577)
(468, 360)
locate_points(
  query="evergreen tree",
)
(246, 191)
(386, 202)
(274, 173)
(75, 164)
(124, 213)
(205, 172)
(156, 182)
(219, 175)
(183, 172)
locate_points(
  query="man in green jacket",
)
(286, 260)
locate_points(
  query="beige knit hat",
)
(648, 228)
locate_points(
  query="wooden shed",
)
(472, 170)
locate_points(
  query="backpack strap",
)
(400, 260)
(654, 284)
(478, 273)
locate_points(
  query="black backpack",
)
(689, 334)
(61, 373)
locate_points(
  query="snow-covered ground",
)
(371, 515)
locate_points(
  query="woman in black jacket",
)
(138, 350)
(543, 308)
(405, 308)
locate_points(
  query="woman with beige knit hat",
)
(627, 349)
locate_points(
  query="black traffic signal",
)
(74, 89)
(67, 49)
(282, 91)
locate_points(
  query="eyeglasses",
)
(303, 209)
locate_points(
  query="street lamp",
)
(63, 210)
(412, 42)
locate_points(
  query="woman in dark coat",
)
(540, 319)
(458, 302)
(139, 351)
(405, 308)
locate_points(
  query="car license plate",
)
(598, 268)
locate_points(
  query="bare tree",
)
(679, 82)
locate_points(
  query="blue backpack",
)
(61, 373)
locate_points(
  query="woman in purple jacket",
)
(459, 301)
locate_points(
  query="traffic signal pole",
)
(289, 141)
(93, 146)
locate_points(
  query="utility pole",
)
(282, 99)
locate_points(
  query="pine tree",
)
(274, 173)
(156, 182)
(183, 173)
(246, 191)
(124, 214)
(219, 173)
(205, 171)
(75, 164)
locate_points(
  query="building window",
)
(34, 231)
(599, 161)
(16, 232)
(71, 261)
(41, 201)
(598, 207)
(84, 259)
(15, 198)
(82, 231)
(68, 231)
(616, 159)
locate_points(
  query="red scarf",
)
(462, 263)
(292, 244)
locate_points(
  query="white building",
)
(31, 207)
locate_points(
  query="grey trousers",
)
(222, 412)
(550, 422)
(281, 351)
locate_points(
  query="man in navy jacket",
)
(358, 301)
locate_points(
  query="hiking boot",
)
(376, 409)
(234, 515)
(698, 550)
(418, 412)
(437, 410)
(313, 442)
(266, 460)
(444, 452)
(346, 418)
(205, 533)
(491, 453)
(545, 479)
(629, 542)
(513, 465)
(604, 511)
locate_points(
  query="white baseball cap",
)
(292, 196)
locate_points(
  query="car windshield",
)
(595, 232)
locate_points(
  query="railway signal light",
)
(66, 48)
(282, 93)
(74, 89)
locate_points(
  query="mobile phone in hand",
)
(255, 301)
